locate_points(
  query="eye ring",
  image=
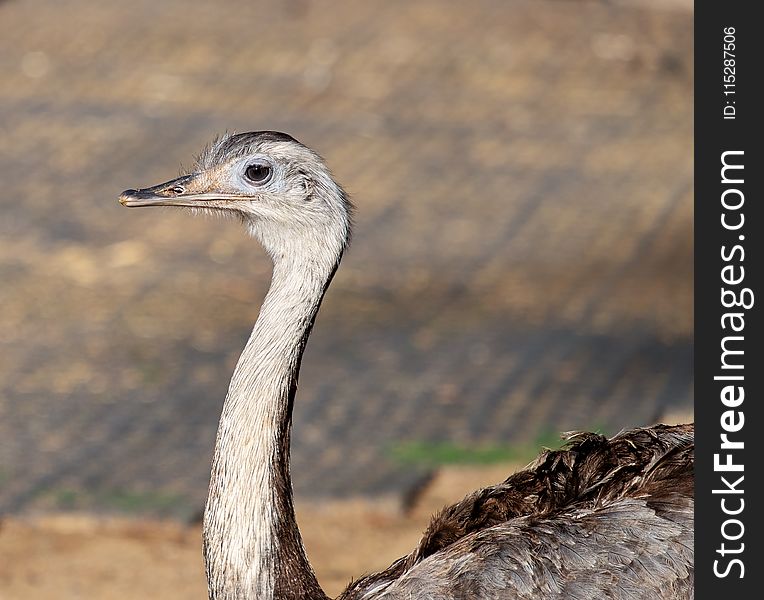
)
(258, 173)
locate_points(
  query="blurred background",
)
(521, 265)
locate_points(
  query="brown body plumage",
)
(603, 518)
(649, 469)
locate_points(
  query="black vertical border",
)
(714, 135)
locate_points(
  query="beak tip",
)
(126, 197)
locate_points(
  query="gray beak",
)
(170, 193)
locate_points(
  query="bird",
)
(599, 518)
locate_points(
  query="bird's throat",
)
(252, 545)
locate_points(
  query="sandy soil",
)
(82, 556)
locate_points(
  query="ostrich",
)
(602, 518)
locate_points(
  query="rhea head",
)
(279, 188)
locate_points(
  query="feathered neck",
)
(252, 545)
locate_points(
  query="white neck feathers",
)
(251, 541)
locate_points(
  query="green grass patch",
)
(120, 500)
(434, 454)
(65, 499)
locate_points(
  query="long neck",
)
(252, 545)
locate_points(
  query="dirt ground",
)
(82, 556)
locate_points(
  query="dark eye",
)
(258, 173)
